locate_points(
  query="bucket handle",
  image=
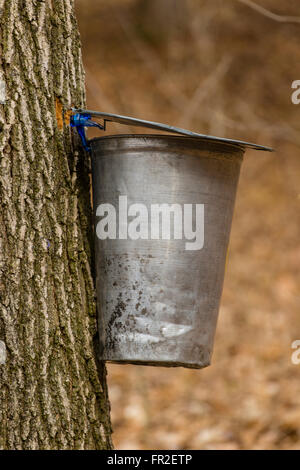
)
(82, 118)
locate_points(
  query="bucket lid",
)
(108, 117)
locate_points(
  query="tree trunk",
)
(53, 392)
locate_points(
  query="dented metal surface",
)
(158, 303)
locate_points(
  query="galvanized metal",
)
(158, 303)
(108, 117)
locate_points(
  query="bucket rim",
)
(236, 144)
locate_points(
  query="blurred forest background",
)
(223, 68)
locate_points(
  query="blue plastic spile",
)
(80, 121)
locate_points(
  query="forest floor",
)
(227, 72)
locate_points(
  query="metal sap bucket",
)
(157, 300)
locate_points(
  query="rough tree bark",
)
(52, 392)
